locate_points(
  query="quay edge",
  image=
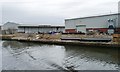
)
(60, 42)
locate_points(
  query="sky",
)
(52, 11)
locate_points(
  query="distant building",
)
(40, 28)
(10, 28)
(103, 23)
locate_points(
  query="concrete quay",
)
(64, 42)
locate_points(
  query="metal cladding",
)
(40, 28)
(101, 23)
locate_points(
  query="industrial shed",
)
(101, 23)
(9, 28)
(40, 28)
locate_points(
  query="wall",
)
(40, 29)
(96, 22)
(9, 25)
(70, 30)
(20, 29)
(100, 22)
(70, 24)
(81, 28)
(9, 28)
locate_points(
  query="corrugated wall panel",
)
(92, 22)
(70, 24)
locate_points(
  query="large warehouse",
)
(11, 27)
(40, 28)
(102, 23)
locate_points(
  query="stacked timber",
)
(116, 38)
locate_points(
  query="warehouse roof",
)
(37, 25)
(92, 16)
(34, 24)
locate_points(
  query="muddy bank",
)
(55, 39)
(60, 42)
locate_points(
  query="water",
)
(32, 56)
(0, 55)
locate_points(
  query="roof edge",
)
(92, 16)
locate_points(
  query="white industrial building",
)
(40, 28)
(9, 28)
(102, 23)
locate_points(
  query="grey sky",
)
(53, 11)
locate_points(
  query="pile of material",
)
(116, 38)
(48, 36)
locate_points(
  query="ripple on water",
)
(30, 56)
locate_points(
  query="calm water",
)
(31, 56)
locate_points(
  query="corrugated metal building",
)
(9, 28)
(10, 25)
(40, 28)
(99, 23)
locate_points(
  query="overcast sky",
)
(53, 11)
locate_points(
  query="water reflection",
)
(91, 58)
(32, 56)
(17, 47)
(0, 56)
